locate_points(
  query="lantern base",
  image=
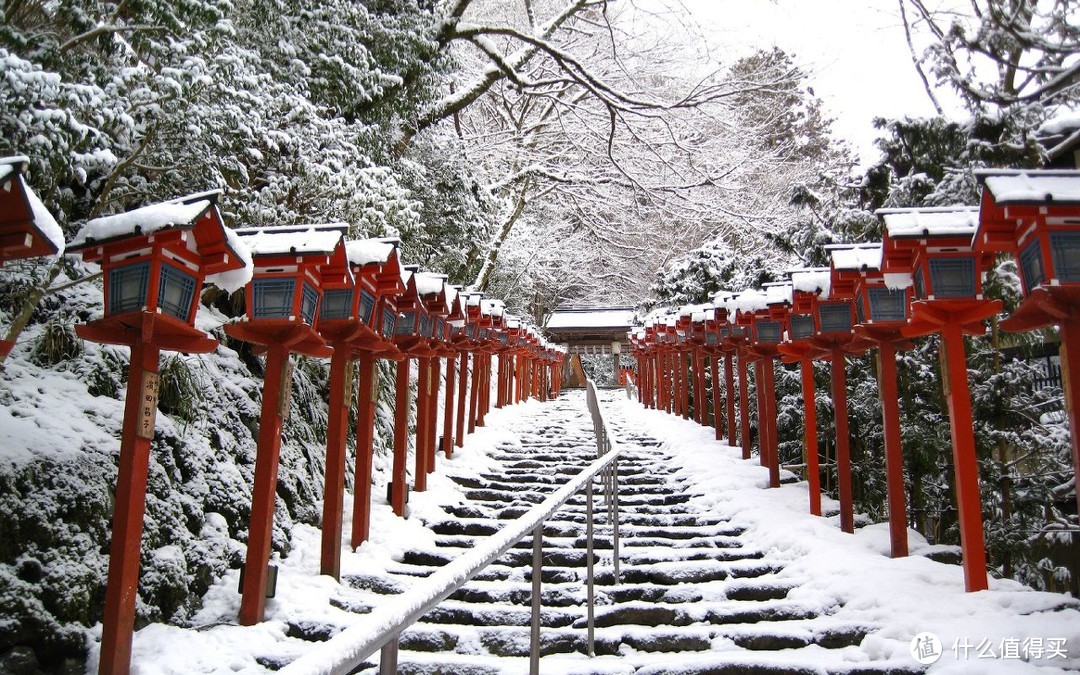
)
(295, 335)
(1042, 308)
(930, 316)
(131, 328)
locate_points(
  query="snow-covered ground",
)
(1006, 629)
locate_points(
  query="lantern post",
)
(1035, 217)
(154, 262)
(349, 321)
(834, 336)
(292, 265)
(768, 326)
(882, 308)
(807, 286)
(27, 229)
(935, 245)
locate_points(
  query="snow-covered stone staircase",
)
(692, 596)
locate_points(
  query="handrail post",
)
(615, 519)
(589, 566)
(537, 572)
(388, 657)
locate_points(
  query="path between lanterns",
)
(719, 574)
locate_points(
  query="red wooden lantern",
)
(883, 306)
(348, 320)
(27, 229)
(807, 286)
(1035, 216)
(431, 289)
(768, 326)
(935, 245)
(154, 261)
(293, 265)
(735, 337)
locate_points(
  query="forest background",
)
(542, 151)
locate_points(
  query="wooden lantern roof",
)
(320, 249)
(433, 290)
(1017, 199)
(27, 229)
(851, 262)
(377, 259)
(808, 285)
(911, 231)
(192, 222)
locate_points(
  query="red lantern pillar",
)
(763, 429)
(365, 441)
(448, 407)
(838, 371)
(434, 382)
(334, 488)
(729, 390)
(771, 442)
(744, 405)
(965, 464)
(684, 374)
(474, 392)
(398, 475)
(718, 426)
(256, 566)
(894, 459)
(124, 547)
(463, 384)
(423, 392)
(813, 471)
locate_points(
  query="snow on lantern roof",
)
(750, 300)
(370, 251)
(473, 299)
(1031, 187)
(947, 221)
(233, 280)
(812, 280)
(43, 220)
(180, 212)
(429, 284)
(493, 307)
(857, 257)
(513, 322)
(289, 239)
(778, 293)
(9, 165)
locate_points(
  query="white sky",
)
(854, 50)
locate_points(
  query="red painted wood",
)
(448, 408)
(365, 439)
(483, 405)
(124, 547)
(964, 462)
(463, 395)
(1070, 354)
(263, 494)
(337, 428)
(838, 369)
(423, 393)
(762, 410)
(398, 474)
(684, 379)
(729, 390)
(769, 382)
(474, 391)
(717, 404)
(894, 458)
(813, 470)
(744, 405)
(432, 440)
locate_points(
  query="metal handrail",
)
(348, 649)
